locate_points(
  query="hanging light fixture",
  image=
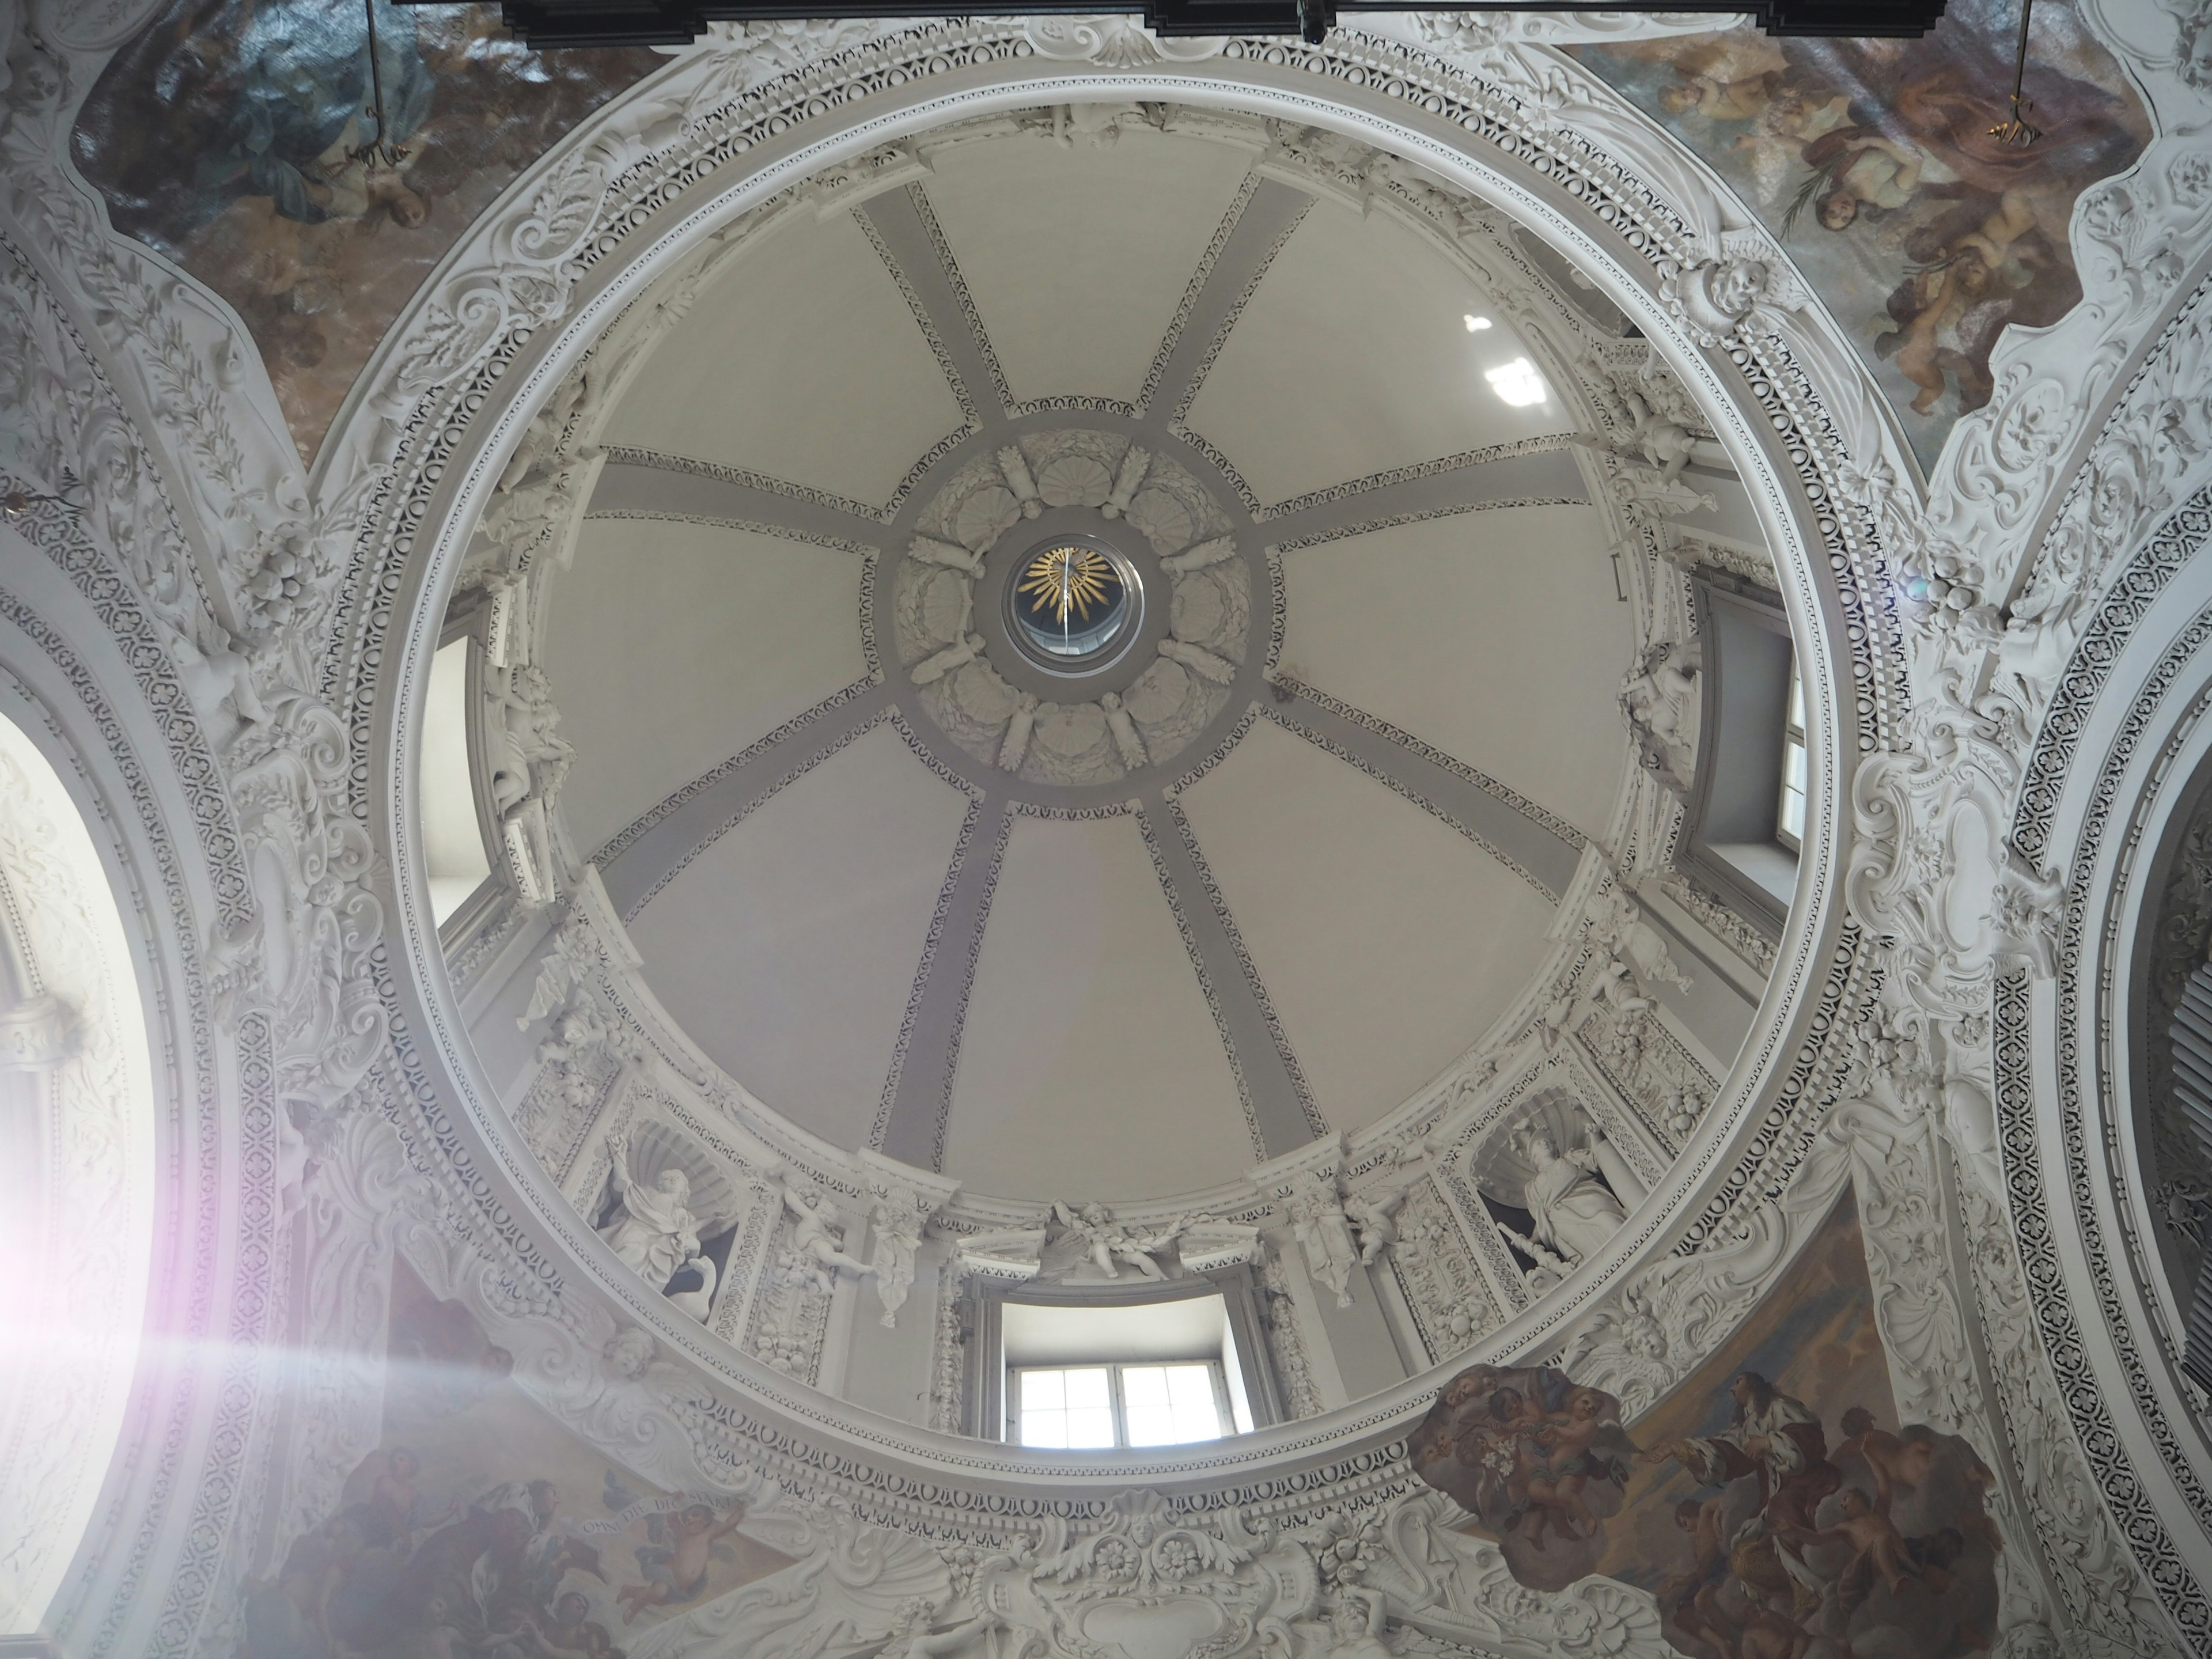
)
(2018, 129)
(379, 153)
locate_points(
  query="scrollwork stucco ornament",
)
(1932, 871)
(1114, 40)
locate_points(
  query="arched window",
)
(1157, 1373)
(1789, 811)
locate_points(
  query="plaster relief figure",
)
(911, 1638)
(929, 551)
(530, 758)
(1016, 742)
(817, 1236)
(1659, 697)
(1572, 1211)
(1109, 1245)
(898, 1218)
(1125, 740)
(1201, 661)
(656, 1232)
(1665, 446)
(1374, 1216)
(1616, 926)
(932, 669)
(1324, 1232)
(1356, 1624)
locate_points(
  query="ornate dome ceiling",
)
(1263, 865)
(881, 693)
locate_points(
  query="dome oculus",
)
(1071, 603)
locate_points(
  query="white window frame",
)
(1793, 737)
(1224, 1417)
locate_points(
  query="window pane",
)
(1796, 698)
(1086, 1389)
(1145, 1398)
(1043, 1428)
(1192, 1389)
(1145, 1386)
(1170, 1405)
(1793, 767)
(1090, 1428)
(1043, 1390)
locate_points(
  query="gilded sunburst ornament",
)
(1068, 581)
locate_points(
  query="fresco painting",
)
(238, 138)
(480, 1529)
(1772, 1504)
(1873, 164)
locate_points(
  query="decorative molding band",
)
(1398, 786)
(1369, 525)
(1213, 346)
(620, 842)
(923, 320)
(1199, 279)
(618, 455)
(756, 526)
(1436, 757)
(1404, 475)
(1219, 901)
(958, 283)
(632, 911)
(1170, 889)
(932, 943)
(969, 959)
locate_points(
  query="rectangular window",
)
(1080, 1406)
(1789, 813)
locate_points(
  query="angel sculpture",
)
(817, 1236)
(1322, 1227)
(898, 1220)
(1374, 1216)
(1108, 1243)
(911, 1638)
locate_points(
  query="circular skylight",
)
(1071, 603)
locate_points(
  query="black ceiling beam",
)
(671, 23)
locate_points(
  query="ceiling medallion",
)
(1073, 609)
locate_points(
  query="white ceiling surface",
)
(671, 647)
(1456, 629)
(801, 361)
(1190, 1328)
(1077, 258)
(1090, 1066)
(786, 950)
(1353, 357)
(1386, 940)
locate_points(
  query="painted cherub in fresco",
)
(1693, 1593)
(1880, 1548)
(1897, 1465)
(676, 1572)
(1723, 78)
(1937, 309)
(1542, 1456)
(1569, 1440)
